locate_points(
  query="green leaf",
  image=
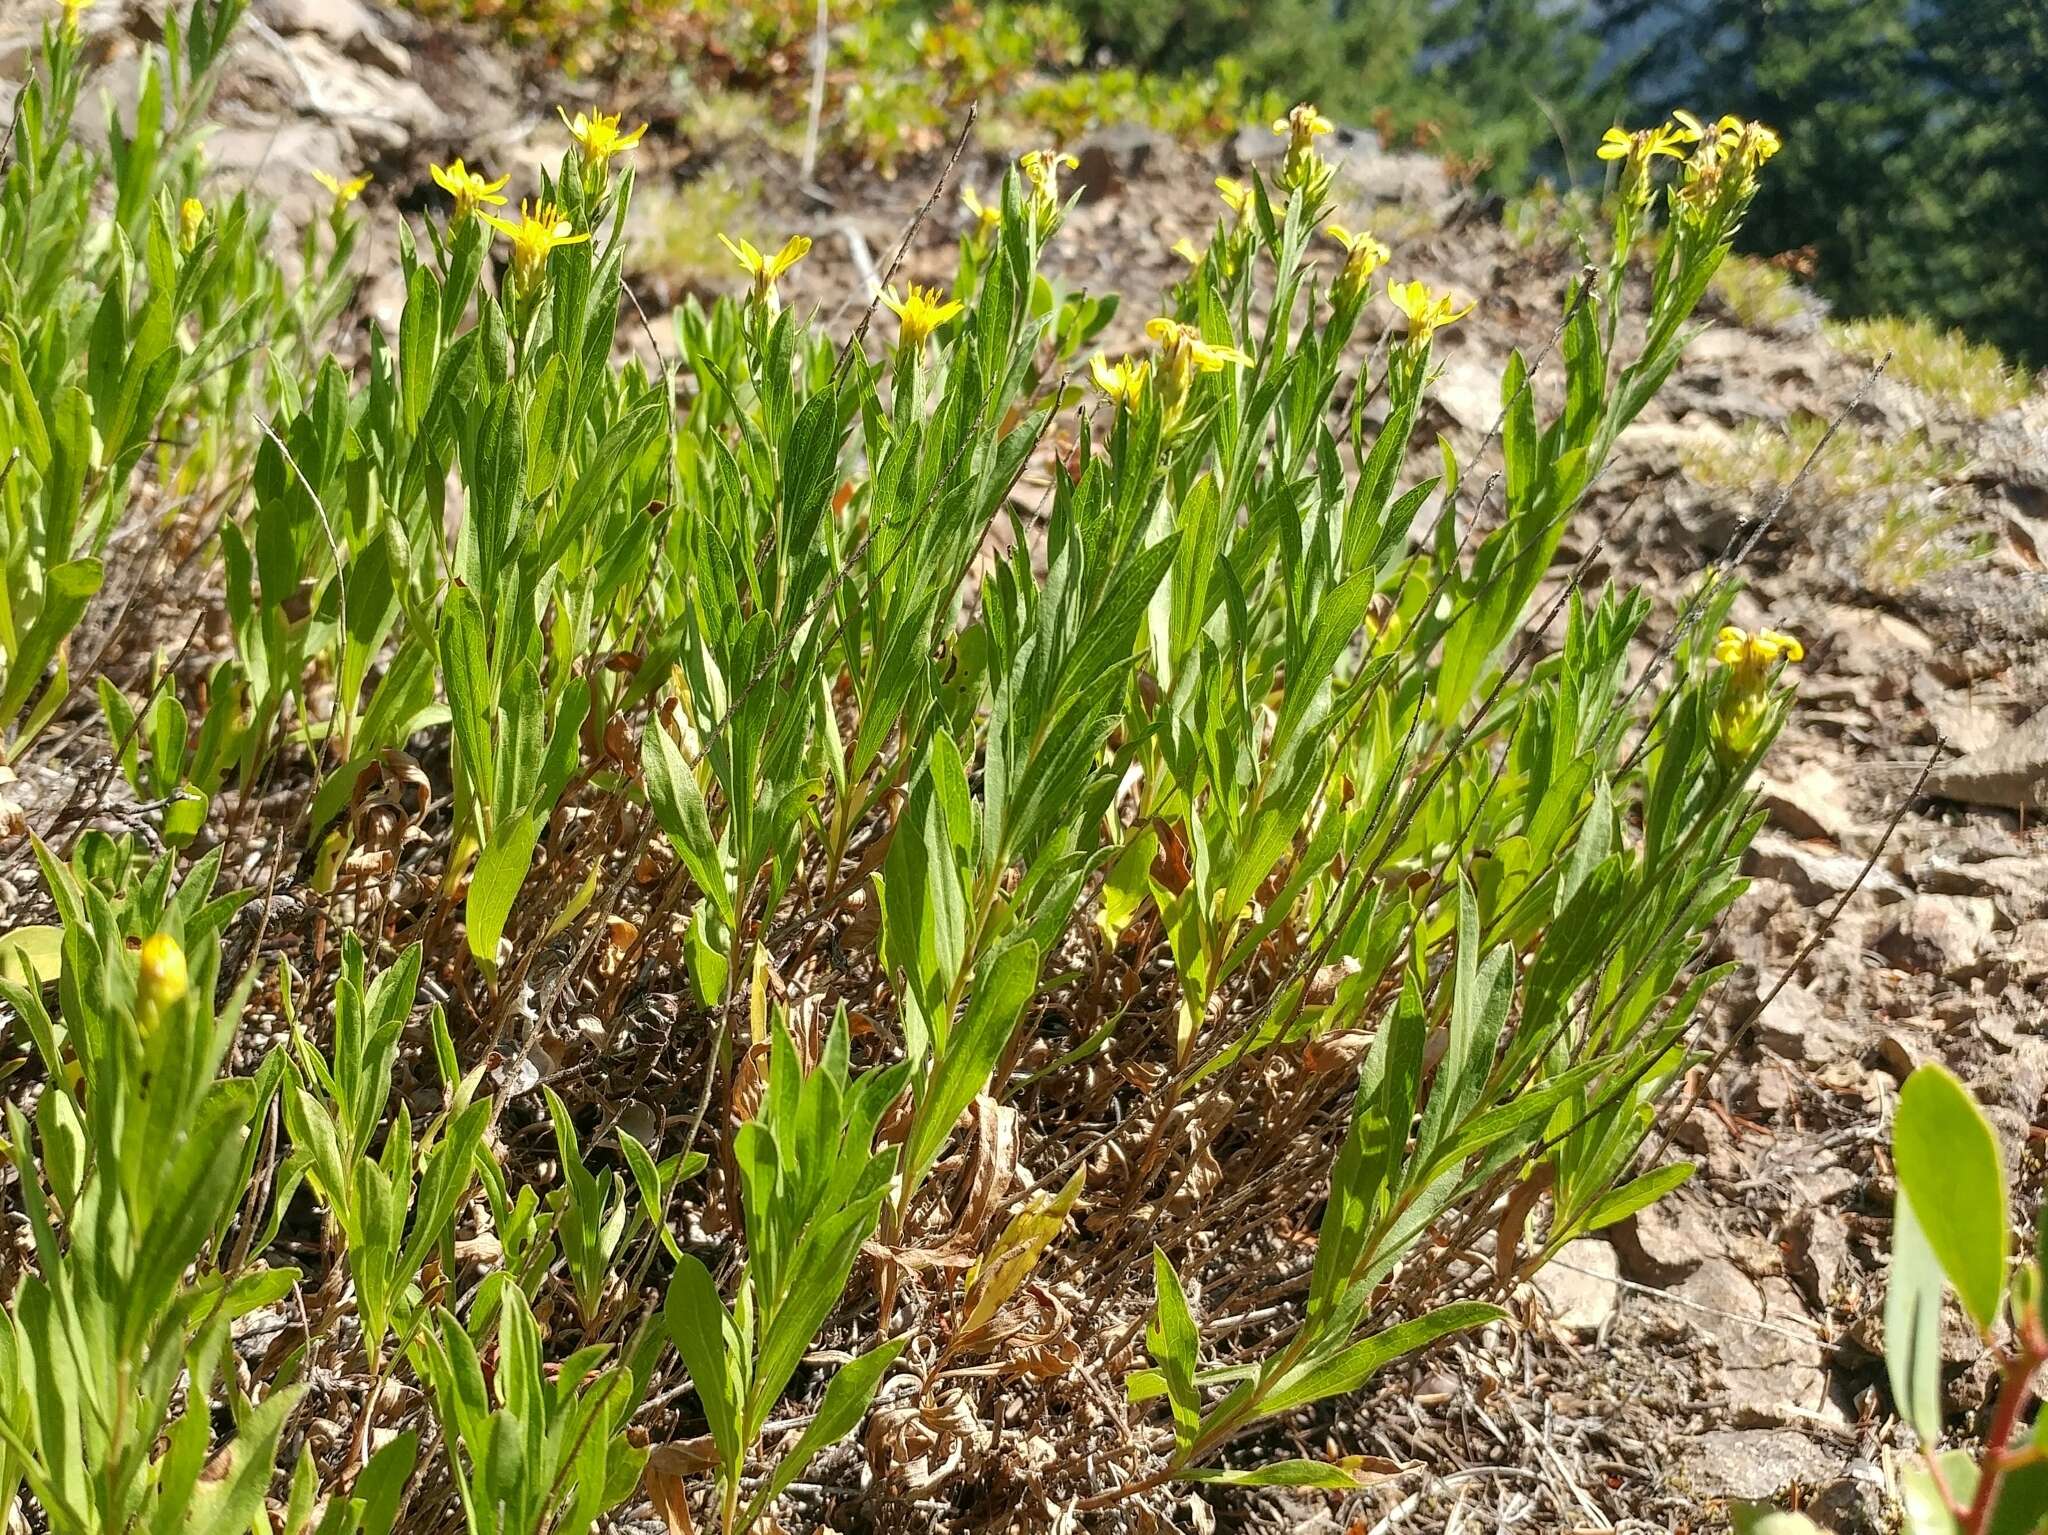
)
(703, 1334)
(678, 804)
(1350, 1368)
(1285, 1473)
(466, 673)
(34, 952)
(1637, 1194)
(494, 885)
(972, 1050)
(1949, 1166)
(1172, 1341)
(845, 1404)
(1912, 1323)
(1923, 1510)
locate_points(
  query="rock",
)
(1758, 1464)
(1798, 1027)
(1967, 723)
(2018, 887)
(1666, 1241)
(2009, 774)
(1940, 935)
(1815, 875)
(1817, 1254)
(1468, 389)
(1772, 1363)
(349, 26)
(1112, 156)
(1854, 1503)
(1579, 1287)
(1811, 803)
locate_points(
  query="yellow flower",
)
(766, 269)
(469, 189)
(1643, 145)
(1179, 341)
(191, 222)
(1758, 652)
(343, 192)
(1041, 168)
(1746, 704)
(597, 134)
(1427, 312)
(163, 978)
(1304, 170)
(1183, 354)
(920, 312)
(1363, 256)
(73, 9)
(1302, 126)
(986, 217)
(1237, 197)
(540, 230)
(1123, 381)
(1185, 249)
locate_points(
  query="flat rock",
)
(1942, 935)
(1771, 1359)
(1579, 1287)
(2009, 774)
(1798, 1026)
(1810, 802)
(1816, 874)
(1666, 1241)
(1755, 1464)
(2017, 886)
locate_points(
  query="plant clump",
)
(848, 895)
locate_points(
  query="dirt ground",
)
(1724, 1344)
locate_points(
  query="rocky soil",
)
(1724, 1344)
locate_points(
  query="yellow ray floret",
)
(597, 135)
(766, 269)
(920, 312)
(469, 188)
(1124, 380)
(1428, 312)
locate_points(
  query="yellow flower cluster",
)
(1745, 705)
(987, 216)
(541, 228)
(191, 223)
(1304, 169)
(343, 192)
(919, 312)
(1122, 381)
(1183, 355)
(597, 135)
(1755, 654)
(1363, 256)
(1716, 156)
(162, 979)
(1041, 168)
(469, 188)
(1237, 197)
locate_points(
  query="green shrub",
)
(717, 668)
